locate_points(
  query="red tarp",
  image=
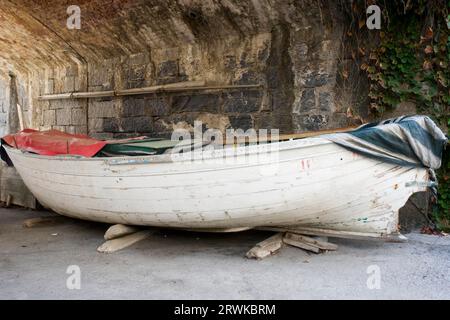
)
(54, 142)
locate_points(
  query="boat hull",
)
(311, 183)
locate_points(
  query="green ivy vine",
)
(411, 63)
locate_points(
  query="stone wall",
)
(4, 106)
(296, 65)
(292, 49)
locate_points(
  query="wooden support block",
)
(267, 247)
(299, 243)
(123, 242)
(42, 221)
(324, 245)
(308, 243)
(119, 230)
(330, 233)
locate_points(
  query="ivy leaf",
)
(427, 65)
(428, 49)
(429, 33)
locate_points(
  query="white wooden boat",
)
(312, 184)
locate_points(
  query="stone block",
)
(101, 135)
(325, 101)
(300, 52)
(78, 116)
(111, 125)
(103, 109)
(312, 122)
(68, 84)
(101, 74)
(229, 63)
(196, 103)
(249, 77)
(71, 71)
(131, 84)
(317, 79)
(243, 122)
(157, 106)
(60, 128)
(55, 104)
(49, 117)
(174, 79)
(136, 124)
(96, 124)
(136, 72)
(63, 117)
(76, 129)
(168, 69)
(242, 103)
(308, 100)
(272, 120)
(138, 59)
(133, 106)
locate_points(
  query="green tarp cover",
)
(149, 146)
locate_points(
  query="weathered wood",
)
(171, 87)
(301, 244)
(219, 230)
(311, 182)
(123, 242)
(288, 136)
(185, 85)
(267, 247)
(330, 233)
(43, 221)
(119, 230)
(95, 94)
(297, 239)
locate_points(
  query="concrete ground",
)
(187, 265)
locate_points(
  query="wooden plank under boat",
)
(312, 183)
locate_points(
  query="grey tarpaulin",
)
(407, 141)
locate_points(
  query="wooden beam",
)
(289, 136)
(119, 230)
(336, 234)
(117, 244)
(267, 247)
(43, 221)
(308, 243)
(297, 242)
(171, 87)
(185, 85)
